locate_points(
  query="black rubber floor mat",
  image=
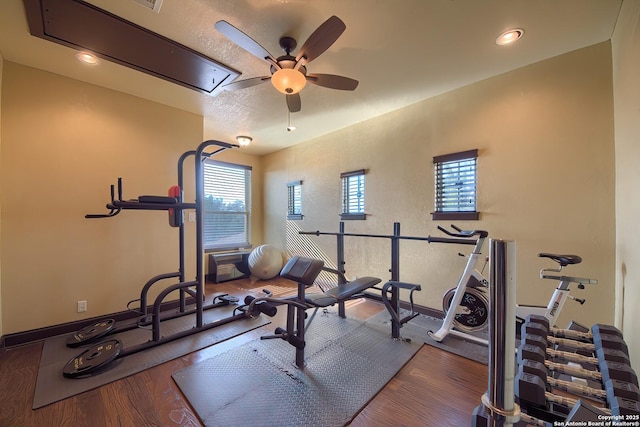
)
(418, 328)
(347, 363)
(51, 386)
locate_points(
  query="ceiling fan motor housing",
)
(288, 44)
(288, 62)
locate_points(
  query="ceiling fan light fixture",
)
(244, 140)
(288, 81)
(509, 36)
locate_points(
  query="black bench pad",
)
(302, 270)
(341, 292)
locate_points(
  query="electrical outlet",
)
(192, 217)
(82, 306)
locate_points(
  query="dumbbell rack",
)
(606, 387)
(609, 395)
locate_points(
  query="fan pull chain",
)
(290, 127)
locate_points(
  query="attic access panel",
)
(80, 25)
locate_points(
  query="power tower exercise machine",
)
(100, 353)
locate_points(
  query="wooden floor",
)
(435, 388)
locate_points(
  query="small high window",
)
(455, 186)
(294, 200)
(353, 195)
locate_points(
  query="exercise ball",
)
(265, 262)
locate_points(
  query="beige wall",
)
(63, 143)
(1, 68)
(626, 68)
(546, 179)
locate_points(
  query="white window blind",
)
(353, 194)
(294, 200)
(455, 182)
(227, 205)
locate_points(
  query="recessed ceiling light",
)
(509, 36)
(87, 58)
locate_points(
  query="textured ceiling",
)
(401, 51)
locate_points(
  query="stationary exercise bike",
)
(470, 296)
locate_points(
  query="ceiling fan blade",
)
(332, 81)
(294, 103)
(242, 84)
(244, 41)
(321, 39)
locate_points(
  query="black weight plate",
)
(229, 298)
(477, 313)
(225, 299)
(90, 333)
(92, 359)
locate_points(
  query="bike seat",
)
(563, 260)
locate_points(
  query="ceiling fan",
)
(289, 73)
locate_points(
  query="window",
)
(294, 200)
(227, 205)
(455, 186)
(353, 195)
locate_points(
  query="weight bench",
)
(345, 291)
(304, 272)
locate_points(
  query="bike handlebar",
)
(463, 233)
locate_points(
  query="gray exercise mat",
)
(418, 328)
(52, 386)
(348, 363)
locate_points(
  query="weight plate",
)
(474, 313)
(92, 359)
(91, 333)
(229, 298)
(225, 299)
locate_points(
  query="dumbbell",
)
(581, 332)
(601, 336)
(612, 388)
(535, 345)
(611, 363)
(601, 340)
(608, 360)
(612, 346)
(534, 399)
(480, 418)
(528, 420)
(607, 369)
(531, 390)
(581, 411)
(534, 352)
